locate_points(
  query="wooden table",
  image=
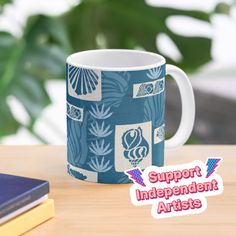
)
(84, 208)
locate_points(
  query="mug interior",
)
(116, 59)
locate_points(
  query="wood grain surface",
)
(84, 208)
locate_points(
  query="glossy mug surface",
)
(115, 113)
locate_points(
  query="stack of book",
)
(24, 204)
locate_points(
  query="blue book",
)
(17, 192)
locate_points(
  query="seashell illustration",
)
(83, 81)
(135, 146)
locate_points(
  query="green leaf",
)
(222, 8)
(8, 124)
(2, 2)
(26, 64)
(128, 24)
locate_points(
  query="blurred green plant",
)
(39, 55)
(25, 65)
(130, 24)
(2, 2)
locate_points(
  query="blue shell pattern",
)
(91, 142)
(135, 146)
(83, 81)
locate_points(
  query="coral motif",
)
(99, 148)
(100, 131)
(154, 73)
(99, 167)
(100, 114)
(83, 81)
(135, 145)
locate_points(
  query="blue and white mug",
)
(116, 112)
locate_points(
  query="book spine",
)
(24, 199)
(28, 220)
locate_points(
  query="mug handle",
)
(188, 107)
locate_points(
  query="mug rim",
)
(160, 60)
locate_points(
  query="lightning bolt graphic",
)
(212, 164)
(136, 176)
